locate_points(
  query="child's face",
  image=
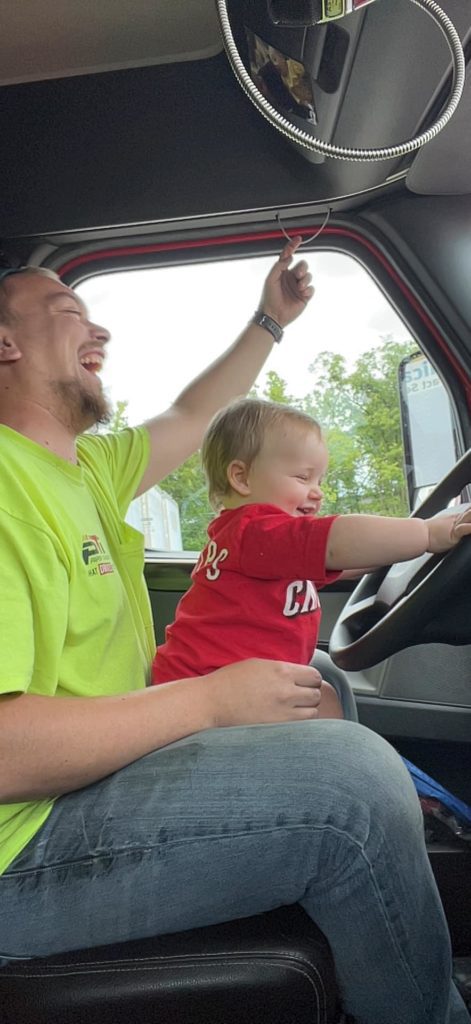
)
(289, 470)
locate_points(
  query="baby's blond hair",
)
(237, 432)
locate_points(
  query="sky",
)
(168, 323)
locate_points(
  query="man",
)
(115, 797)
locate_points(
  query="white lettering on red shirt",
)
(311, 598)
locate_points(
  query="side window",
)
(349, 360)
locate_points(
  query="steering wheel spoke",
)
(362, 615)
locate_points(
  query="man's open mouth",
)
(92, 361)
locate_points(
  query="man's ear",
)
(9, 351)
(237, 475)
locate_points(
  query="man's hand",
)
(257, 692)
(178, 432)
(286, 292)
(446, 531)
(50, 746)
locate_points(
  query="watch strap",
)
(270, 325)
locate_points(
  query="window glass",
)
(340, 361)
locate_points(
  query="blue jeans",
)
(233, 822)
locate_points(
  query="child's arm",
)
(356, 574)
(355, 541)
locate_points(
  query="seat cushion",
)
(275, 968)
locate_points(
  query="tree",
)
(274, 390)
(187, 486)
(359, 412)
(119, 417)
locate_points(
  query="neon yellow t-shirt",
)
(75, 617)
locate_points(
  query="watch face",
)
(270, 325)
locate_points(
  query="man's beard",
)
(82, 409)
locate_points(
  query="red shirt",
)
(254, 594)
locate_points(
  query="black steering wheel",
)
(426, 600)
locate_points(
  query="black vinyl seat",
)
(275, 968)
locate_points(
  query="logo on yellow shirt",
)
(95, 556)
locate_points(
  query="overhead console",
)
(159, 144)
(303, 71)
(342, 83)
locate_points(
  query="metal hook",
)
(312, 238)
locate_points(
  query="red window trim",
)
(202, 243)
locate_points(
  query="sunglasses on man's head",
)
(11, 270)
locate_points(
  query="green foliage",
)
(274, 390)
(359, 412)
(187, 486)
(119, 418)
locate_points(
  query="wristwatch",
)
(270, 325)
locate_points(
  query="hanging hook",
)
(312, 238)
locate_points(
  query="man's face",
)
(62, 351)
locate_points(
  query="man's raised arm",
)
(177, 433)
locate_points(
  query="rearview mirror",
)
(427, 427)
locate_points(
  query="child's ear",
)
(237, 476)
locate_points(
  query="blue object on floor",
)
(428, 788)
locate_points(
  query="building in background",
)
(156, 515)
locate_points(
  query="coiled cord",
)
(296, 134)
